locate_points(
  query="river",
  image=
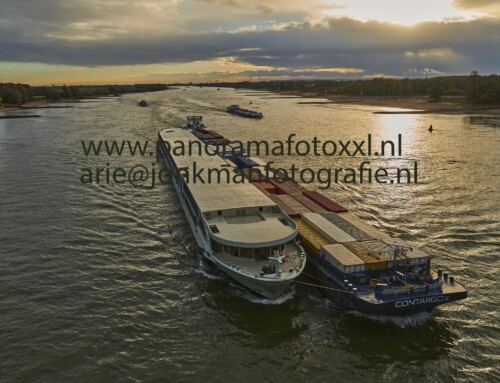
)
(102, 282)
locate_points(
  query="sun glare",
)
(400, 12)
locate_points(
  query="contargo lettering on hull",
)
(419, 301)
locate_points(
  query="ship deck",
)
(237, 213)
(214, 195)
(254, 266)
(368, 295)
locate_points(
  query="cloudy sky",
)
(125, 41)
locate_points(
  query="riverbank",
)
(47, 104)
(26, 105)
(418, 104)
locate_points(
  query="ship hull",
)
(403, 305)
(245, 115)
(264, 287)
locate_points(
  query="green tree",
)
(435, 92)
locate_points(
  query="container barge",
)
(349, 261)
(235, 109)
(236, 226)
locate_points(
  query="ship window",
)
(219, 212)
(261, 209)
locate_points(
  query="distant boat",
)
(235, 109)
(143, 103)
(218, 88)
(431, 128)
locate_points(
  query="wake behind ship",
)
(236, 226)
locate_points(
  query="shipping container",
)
(279, 175)
(348, 227)
(309, 203)
(326, 228)
(244, 162)
(310, 237)
(288, 210)
(363, 226)
(267, 186)
(412, 255)
(343, 259)
(294, 204)
(259, 161)
(252, 174)
(288, 187)
(259, 186)
(371, 263)
(380, 250)
(327, 203)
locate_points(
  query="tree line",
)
(18, 94)
(475, 88)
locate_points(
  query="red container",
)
(309, 203)
(270, 188)
(288, 187)
(277, 185)
(254, 176)
(327, 203)
(287, 209)
(258, 186)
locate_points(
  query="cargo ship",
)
(235, 109)
(354, 264)
(236, 226)
(349, 261)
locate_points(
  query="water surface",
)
(103, 282)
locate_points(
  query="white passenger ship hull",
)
(266, 286)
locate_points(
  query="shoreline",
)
(415, 104)
(48, 104)
(26, 105)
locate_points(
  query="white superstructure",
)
(236, 226)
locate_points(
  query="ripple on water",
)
(105, 281)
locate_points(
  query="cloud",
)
(121, 32)
(242, 5)
(330, 70)
(485, 5)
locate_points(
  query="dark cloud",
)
(47, 32)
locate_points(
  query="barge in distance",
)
(236, 226)
(235, 109)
